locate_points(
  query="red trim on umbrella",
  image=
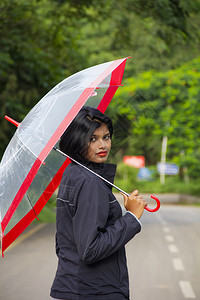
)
(65, 123)
(21, 192)
(2, 236)
(30, 216)
(115, 82)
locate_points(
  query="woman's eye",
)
(93, 139)
(107, 137)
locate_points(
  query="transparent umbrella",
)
(31, 170)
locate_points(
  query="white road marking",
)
(169, 238)
(187, 289)
(173, 248)
(161, 220)
(166, 229)
(178, 264)
(185, 286)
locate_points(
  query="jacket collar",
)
(105, 170)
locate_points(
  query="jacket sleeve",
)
(91, 215)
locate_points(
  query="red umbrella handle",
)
(157, 207)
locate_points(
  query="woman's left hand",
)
(134, 203)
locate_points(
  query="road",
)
(163, 260)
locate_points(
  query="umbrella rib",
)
(32, 207)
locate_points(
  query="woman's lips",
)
(102, 153)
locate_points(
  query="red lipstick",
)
(102, 153)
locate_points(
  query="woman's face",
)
(100, 145)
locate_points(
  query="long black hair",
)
(76, 138)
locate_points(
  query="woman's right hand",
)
(134, 203)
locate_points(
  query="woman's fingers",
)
(134, 203)
(125, 199)
(134, 193)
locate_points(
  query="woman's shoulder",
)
(77, 173)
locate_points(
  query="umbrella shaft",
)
(104, 179)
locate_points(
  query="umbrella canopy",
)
(30, 170)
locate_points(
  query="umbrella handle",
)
(157, 207)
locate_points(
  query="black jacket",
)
(91, 235)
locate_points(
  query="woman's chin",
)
(99, 159)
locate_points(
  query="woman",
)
(91, 231)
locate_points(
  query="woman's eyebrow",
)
(96, 135)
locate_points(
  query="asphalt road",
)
(163, 260)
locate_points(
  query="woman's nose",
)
(102, 144)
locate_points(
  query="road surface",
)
(163, 260)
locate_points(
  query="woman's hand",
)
(134, 203)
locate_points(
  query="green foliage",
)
(157, 34)
(37, 50)
(42, 42)
(164, 103)
(126, 177)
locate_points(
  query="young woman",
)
(91, 231)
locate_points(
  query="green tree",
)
(37, 50)
(42, 42)
(157, 34)
(164, 103)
